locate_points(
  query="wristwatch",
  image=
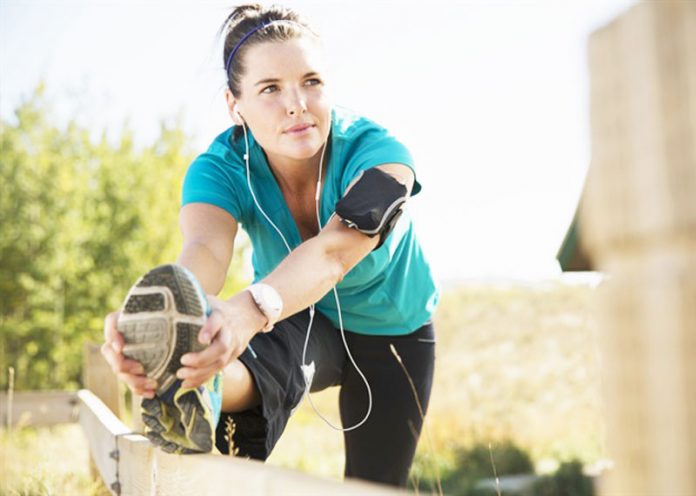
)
(268, 301)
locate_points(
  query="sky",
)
(491, 97)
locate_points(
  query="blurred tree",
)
(79, 222)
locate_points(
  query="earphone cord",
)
(305, 367)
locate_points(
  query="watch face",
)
(272, 298)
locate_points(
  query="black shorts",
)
(380, 450)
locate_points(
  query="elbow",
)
(338, 266)
(330, 260)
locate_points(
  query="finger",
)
(211, 327)
(111, 333)
(142, 385)
(119, 363)
(132, 367)
(113, 358)
(218, 350)
(195, 377)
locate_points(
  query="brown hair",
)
(243, 20)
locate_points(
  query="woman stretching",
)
(339, 276)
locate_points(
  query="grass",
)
(514, 363)
(46, 461)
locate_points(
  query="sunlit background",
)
(491, 98)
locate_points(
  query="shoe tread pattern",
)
(144, 303)
(185, 294)
(151, 334)
(193, 410)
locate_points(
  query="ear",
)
(232, 107)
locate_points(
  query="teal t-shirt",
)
(391, 291)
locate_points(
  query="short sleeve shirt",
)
(392, 290)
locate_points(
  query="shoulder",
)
(221, 162)
(360, 143)
(222, 152)
(350, 128)
(217, 176)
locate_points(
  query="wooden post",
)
(98, 377)
(136, 416)
(639, 225)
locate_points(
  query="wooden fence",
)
(130, 465)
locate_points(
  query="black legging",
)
(380, 450)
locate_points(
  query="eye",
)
(313, 82)
(270, 89)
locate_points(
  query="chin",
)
(303, 151)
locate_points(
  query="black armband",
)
(373, 204)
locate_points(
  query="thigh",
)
(273, 360)
(382, 449)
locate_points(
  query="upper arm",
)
(402, 173)
(350, 246)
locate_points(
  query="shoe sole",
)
(160, 320)
(189, 422)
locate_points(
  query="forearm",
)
(201, 261)
(305, 276)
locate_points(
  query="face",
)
(283, 99)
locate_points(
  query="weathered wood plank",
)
(102, 428)
(141, 468)
(39, 408)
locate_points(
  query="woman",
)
(319, 192)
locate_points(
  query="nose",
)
(297, 104)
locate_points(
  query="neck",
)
(296, 175)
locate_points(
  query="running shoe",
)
(160, 321)
(184, 420)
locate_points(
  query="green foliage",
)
(474, 463)
(80, 221)
(568, 480)
(463, 475)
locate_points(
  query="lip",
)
(298, 128)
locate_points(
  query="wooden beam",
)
(130, 465)
(638, 219)
(102, 429)
(39, 408)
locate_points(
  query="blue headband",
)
(246, 36)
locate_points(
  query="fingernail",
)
(204, 338)
(185, 360)
(152, 384)
(180, 374)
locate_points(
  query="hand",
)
(228, 330)
(129, 371)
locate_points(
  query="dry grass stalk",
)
(10, 398)
(495, 472)
(431, 450)
(230, 428)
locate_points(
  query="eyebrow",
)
(275, 80)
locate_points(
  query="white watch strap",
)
(268, 302)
